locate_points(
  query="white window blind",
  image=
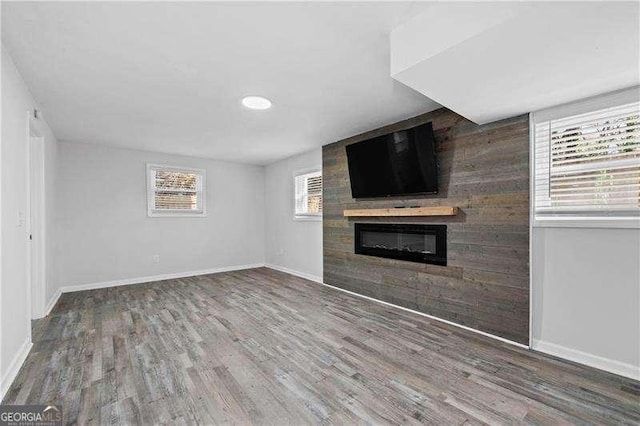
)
(308, 194)
(174, 191)
(588, 163)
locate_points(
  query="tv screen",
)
(399, 163)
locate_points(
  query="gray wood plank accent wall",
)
(484, 170)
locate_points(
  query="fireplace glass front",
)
(414, 243)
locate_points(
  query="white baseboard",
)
(464, 327)
(52, 302)
(304, 275)
(14, 367)
(151, 278)
(616, 367)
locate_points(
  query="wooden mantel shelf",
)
(406, 211)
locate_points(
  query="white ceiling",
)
(169, 76)
(492, 61)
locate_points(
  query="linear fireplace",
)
(414, 243)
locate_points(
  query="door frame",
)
(36, 226)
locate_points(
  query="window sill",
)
(154, 215)
(308, 218)
(587, 222)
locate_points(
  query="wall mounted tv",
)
(400, 163)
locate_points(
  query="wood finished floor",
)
(263, 347)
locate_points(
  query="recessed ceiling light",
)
(256, 102)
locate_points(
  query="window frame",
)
(151, 192)
(306, 216)
(596, 219)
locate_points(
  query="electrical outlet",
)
(155, 258)
(281, 252)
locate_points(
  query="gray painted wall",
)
(104, 233)
(291, 244)
(14, 154)
(586, 296)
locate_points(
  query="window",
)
(174, 191)
(587, 160)
(308, 195)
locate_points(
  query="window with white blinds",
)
(588, 164)
(174, 191)
(308, 195)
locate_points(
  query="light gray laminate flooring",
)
(263, 347)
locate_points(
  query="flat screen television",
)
(400, 163)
